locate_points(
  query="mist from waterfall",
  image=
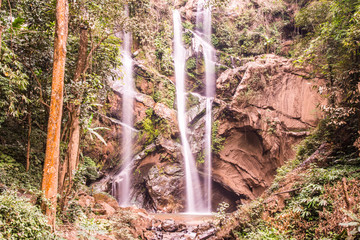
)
(122, 181)
(194, 199)
(203, 39)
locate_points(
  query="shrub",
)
(217, 141)
(19, 219)
(13, 174)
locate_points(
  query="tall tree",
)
(71, 160)
(1, 29)
(94, 30)
(52, 154)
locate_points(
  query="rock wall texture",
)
(267, 106)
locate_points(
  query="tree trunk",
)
(71, 161)
(1, 29)
(52, 154)
(28, 144)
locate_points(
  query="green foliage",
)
(164, 92)
(195, 69)
(218, 3)
(261, 233)
(91, 228)
(355, 222)
(87, 171)
(304, 150)
(21, 220)
(220, 217)
(200, 158)
(191, 64)
(13, 174)
(246, 34)
(332, 43)
(187, 35)
(73, 213)
(13, 85)
(248, 220)
(164, 50)
(272, 125)
(148, 126)
(192, 101)
(311, 202)
(216, 141)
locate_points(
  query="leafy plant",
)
(13, 174)
(355, 224)
(21, 220)
(91, 228)
(216, 140)
(221, 216)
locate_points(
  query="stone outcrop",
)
(267, 106)
(162, 185)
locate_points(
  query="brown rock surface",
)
(104, 198)
(273, 107)
(86, 201)
(168, 114)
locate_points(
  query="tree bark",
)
(52, 154)
(28, 144)
(1, 29)
(71, 161)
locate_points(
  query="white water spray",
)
(122, 182)
(194, 200)
(203, 25)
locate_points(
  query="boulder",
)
(163, 187)
(86, 201)
(163, 111)
(109, 210)
(105, 198)
(150, 235)
(169, 225)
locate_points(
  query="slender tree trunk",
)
(28, 144)
(71, 161)
(52, 154)
(73, 148)
(1, 29)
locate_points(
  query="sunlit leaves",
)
(13, 83)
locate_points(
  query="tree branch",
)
(38, 82)
(12, 30)
(94, 49)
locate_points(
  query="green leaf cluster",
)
(19, 219)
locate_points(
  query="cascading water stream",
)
(122, 181)
(194, 200)
(203, 25)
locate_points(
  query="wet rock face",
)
(242, 165)
(163, 184)
(169, 115)
(182, 229)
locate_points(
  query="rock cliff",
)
(267, 106)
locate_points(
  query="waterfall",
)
(203, 27)
(122, 181)
(194, 200)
